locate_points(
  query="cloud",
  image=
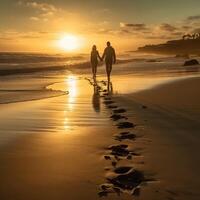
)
(43, 10)
(44, 7)
(163, 31)
(136, 27)
(16, 35)
(193, 18)
(167, 27)
(34, 18)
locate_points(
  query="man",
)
(110, 58)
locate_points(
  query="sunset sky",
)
(39, 25)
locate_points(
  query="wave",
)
(36, 58)
(20, 63)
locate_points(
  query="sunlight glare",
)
(69, 43)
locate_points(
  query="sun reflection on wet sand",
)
(71, 83)
(66, 122)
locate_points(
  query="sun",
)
(69, 43)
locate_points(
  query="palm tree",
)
(193, 36)
(197, 35)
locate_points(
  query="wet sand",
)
(91, 144)
(56, 148)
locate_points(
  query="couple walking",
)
(108, 55)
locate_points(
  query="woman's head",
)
(94, 47)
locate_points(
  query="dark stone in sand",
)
(144, 107)
(104, 90)
(125, 135)
(129, 180)
(125, 125)
(191, 62)
(116, 117)
(121, 110)
(122, 170)
(129, 157)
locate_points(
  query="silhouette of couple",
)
(109, 56)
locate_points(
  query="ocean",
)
(26, 76)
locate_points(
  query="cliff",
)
(189, 46)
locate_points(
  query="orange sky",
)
(39, 25)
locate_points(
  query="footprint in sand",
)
(125, 179)
(144, 107)
(119, 152)
(136, 191)
(123, 125)
(120, 110)
(108, 102)
(112, 107)
(122, 170)
(107, 157)
(125, 136)
(107, 188)
(117, 117)
(107, 98)
(105, 94)
(99, 88)
(104, 83)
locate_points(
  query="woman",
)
(94, 60)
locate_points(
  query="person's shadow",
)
(96, 98)
(110, 88)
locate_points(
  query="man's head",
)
(108, 44)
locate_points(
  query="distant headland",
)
(188, 44)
